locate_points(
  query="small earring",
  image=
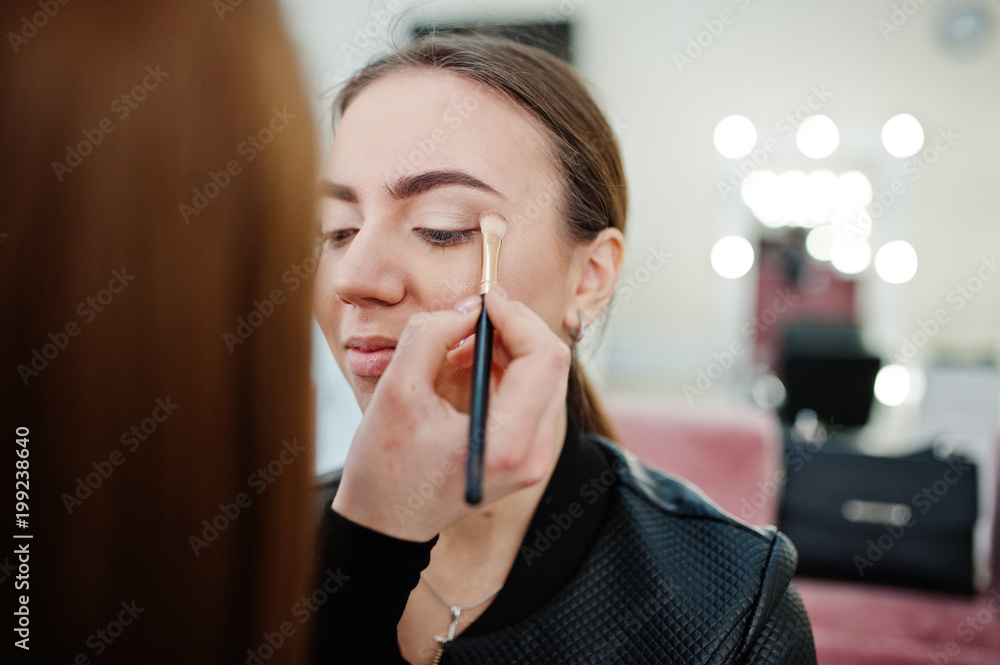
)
(577, 333)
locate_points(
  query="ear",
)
(597, 266)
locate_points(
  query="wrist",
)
(398, 522)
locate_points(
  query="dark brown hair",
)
(594, 195)
(170, 465)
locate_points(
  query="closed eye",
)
(334, 239)
(439, 238)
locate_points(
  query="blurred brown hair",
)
(157, 337)
(594, 194)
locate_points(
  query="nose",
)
(369, 272)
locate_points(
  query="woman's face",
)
(418, 156)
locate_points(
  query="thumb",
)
(426, 341)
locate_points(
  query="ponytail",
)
(583, 402)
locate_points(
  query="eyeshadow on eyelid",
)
(460, 220)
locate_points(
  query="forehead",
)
(416, 119)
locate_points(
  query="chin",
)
(364, 389)
(452, 385)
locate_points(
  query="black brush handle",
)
(482, 364)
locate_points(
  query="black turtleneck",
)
(358, 622)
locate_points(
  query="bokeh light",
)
(902, 135)
(735, 136)
(855, 190)
(819, 242)
(892, 385)
(817, 137)
(850, 258)
(896, 262)
(732, 257)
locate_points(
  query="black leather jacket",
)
(669, 578)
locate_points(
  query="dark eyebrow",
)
(411, 185)
(339, 192)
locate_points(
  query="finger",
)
(522, 329)
(537, 454)
(529, 390)
(500, 354)
(463, 355)
(496, 377)
(425, 342)
(535, 377)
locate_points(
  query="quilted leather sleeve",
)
(779, 633)
(786, 638)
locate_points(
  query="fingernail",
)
(459, 345)
(466, 305)
(502, 292)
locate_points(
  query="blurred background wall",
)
(667, 73)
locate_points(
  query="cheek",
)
(439, 284)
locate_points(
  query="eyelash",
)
(443, 239)
(435, 237)
(337, 238)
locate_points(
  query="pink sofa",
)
(734, 454)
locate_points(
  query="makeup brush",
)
(493, 227)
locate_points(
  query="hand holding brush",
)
(493, 227)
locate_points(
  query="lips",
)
(369, 356)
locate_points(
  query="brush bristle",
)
(493, 222)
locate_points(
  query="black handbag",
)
(905, 521)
